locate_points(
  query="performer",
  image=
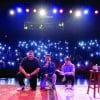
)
(29, 68)
(48, 73)
(68, 72)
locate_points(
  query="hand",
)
(46, 65)
(28, 76)
(46, 75)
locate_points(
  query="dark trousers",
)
(69, 79)
(32, 80)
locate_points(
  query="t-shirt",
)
(29, 65)
(68, 68)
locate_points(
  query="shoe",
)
(44, 89)
(53, 87)
(72, 88)
(33, 89)
(21, 88)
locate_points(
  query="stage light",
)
(34, 10)
(19, 10)
(61, 11)
(11, 12)
(54, 11)
(25, 27)
(86, 12)
(12, 63)
(61, 60)
(78, 13)
(92, 55)
(70, 11)
(78, 65)
(42, 12)
(86, 63)
(96, 12)
(27, 10)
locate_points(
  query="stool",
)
(94, 80)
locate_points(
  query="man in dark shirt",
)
(29, 68)
(48, 73)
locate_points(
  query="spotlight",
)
(86, 12)
(34, 10)
(42, 12)
(27, 10)
(70, 11)
(19, 10)
(11, 12)
(54, 11)
(96, 12)
(78, 13)
(61, 11)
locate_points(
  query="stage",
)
(8, 91)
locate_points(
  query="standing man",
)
(48, 73)
(68, 70)
(29, 68)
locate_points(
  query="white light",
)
(11, 12)
(96, 11)
(42, 12)
(27, 10)
(78, 13)
(19, 10)
(25, 27)
(34, 10)
(61, 11)
(78, 64)
(70, 11)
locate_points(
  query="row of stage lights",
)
(43, 12)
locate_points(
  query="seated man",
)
(68, 70)
(29, 68)
(48, 73)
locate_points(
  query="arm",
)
(21, 69)
(35, 72)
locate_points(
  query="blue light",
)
(86, 63)
(60, 54)
(12, 63)
(54, 11)
(91, 54)
(86, 12)
(19, 10)
(61, 60)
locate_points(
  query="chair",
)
(94, 81)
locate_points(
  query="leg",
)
(71, 77)
(43, 82)
(21, 77)
(53, 82)
(33, 82)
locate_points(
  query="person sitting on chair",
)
(48, 73)
(68, 70)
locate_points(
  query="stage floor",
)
(8, 92)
